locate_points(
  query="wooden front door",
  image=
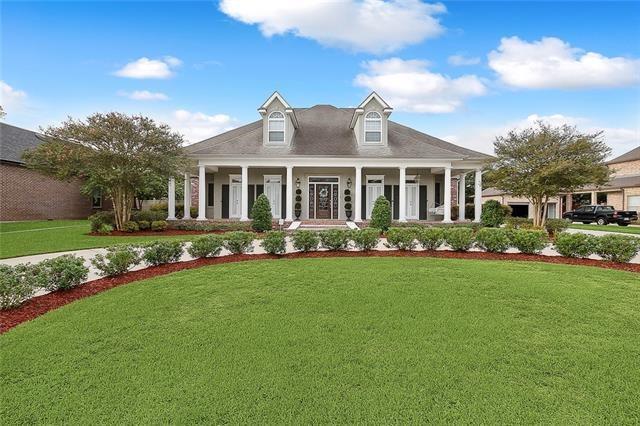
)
(323, 201)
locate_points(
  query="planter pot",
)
(297, 213)
(348, 214)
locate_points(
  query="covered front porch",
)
(331, 191)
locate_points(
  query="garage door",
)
(633, 202)
(519, 210)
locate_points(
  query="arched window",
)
(372, 127)
(276, 127)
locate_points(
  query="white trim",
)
(279, 204)
(333, 183)
(327, 161)
(275, 95)
(374, 95)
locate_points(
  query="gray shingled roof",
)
(632, 155)
(14, 141)
(324, 131)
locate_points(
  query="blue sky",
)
(205, 67)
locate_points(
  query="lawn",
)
(319, 341)
(608, 228)
(44, 236)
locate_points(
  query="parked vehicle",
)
(601, 215)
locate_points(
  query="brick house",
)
(28, 195)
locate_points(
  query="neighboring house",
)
(28, 195)
(323, 151)
(622, 191)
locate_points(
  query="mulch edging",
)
(40, 305)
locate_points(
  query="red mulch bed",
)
(165, 233)
(40, 305)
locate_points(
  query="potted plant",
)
(297, 208)
(347, 203)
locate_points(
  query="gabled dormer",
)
(278, 121)
(370, 121)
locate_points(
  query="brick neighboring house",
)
(28, 195)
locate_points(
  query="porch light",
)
(297, 183)
(349, 183)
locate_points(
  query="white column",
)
(357, 200)
(402, 215)
(171, 199)
(187, 196)
(245, 194)
(477, 196)
(461, 197)
(202, 193)
(289, 201)
(447, 194)
(594, 198)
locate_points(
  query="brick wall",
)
(28, 195)
(626, 168)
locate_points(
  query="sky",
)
(464, 71)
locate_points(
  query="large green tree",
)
(544, 161)
(113, 152)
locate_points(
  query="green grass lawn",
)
(44, 236)
(609, 228)
(349, 340)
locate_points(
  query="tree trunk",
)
(122, 204)
(543, 220)
(537, 205)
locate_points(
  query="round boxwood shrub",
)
(305, 240)
(274, 242)
(494, 214)
(117, 260)
(16, 285)
(430, 238)
(61, 272)
(159, 225)
(334, 239)
(495, 240)
(575, 245)
(459, 238)
(101, 218)
(365, 239)
(130, 227)
(239, 242)
(163, 251)
(402, 238)
(530, 241)
(144, 225)
(555, 226)
(261, 214)
(381, 214)
(618, 248)
(206, 246)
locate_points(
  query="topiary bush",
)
(274, 242)
(101, 218)
(162, 251)
(430, 238)
(261, 214)
(402, 238)
(529, 241)
(206, 246)
(495, 240)
(555, 226)
(494, 214)
(381, 214)
(239, 242)
(130, 227)
(618, 248)
(459, 238)
(159, 225)
(61, 272)
(117, 260)
(575, 245)
(365, 239)
(16, 285)
(305, 240)
(334, 239)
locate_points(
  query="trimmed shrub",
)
(209, 225)
(239, 242)
(494, 214)
(148, 215)
(61, 272)
(130, 227)
(159, 225)
(117, 260)
(530, 241)
(575, 245)
(495, 240)
(430, 238)
(305, 240)
(519, 223)
(274, 242)
(144, 225)
(334, 239)
(381, 214)
(618, 248)
(261, 214)
(16, 285)
(105, 229)
(101, 218)
(162, 251)
(365, 239)
(402, 238)
(555, 226)
(206, 246)
(459, 238)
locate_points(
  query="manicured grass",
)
(44, 236)
(348, 340)
(608, 228)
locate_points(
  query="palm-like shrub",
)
(261, 214)
(381, 214)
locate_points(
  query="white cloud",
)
(553, 63)
(374, 26)
(408, 85)
(144, 95)
(196, 126)
(10, 97)
(460, 60)
(150, 68)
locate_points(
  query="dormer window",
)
(372, 128)
(276, 127)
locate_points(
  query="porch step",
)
(322, 225)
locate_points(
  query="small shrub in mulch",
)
(274, 242)
(162, 251)
(305, 240)
(617, 248)
(381, 214)
(62, 272)
(430, 238)
(529, 241)
(459, 238)
(402, 238)
(575, 245)
(118, 260)
(159, 225)
(494, 214)
(494, 240)
(365, 239)
(334, 239)
(239, 242)
(130, 227)
(206, 246)
(16, 285)
(261, 218)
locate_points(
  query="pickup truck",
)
(601, 215)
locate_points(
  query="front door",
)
(412, 200)
(323, 201)
(375, 189)
(235, 196)
(273, 191)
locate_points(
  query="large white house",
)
(308, 161)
